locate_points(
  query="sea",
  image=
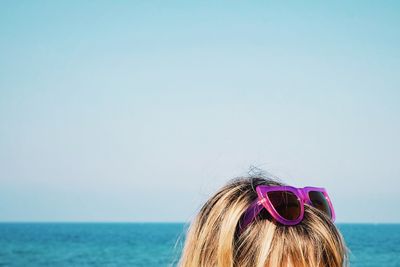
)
(154, 244)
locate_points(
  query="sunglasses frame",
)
(263, 201)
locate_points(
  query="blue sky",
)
(139, 110)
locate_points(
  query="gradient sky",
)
(139, 110)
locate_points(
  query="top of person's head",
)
(214, 238)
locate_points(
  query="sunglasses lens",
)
(286, 204)
(319, 201)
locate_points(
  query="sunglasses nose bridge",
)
(303, 195)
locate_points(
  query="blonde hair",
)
(213, 238)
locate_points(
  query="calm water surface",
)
(151, 244)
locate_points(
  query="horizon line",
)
(145, 222)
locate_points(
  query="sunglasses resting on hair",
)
(286, 203)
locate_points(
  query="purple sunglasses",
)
(286, 203)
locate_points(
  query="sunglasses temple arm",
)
(250, 214)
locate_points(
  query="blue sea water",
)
(153, 244)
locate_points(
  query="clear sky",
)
(139, 110)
